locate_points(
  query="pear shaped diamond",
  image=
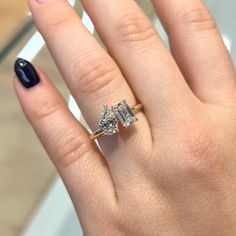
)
(108, 124)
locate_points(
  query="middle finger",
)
(146, 63)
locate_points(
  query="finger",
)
(77, 159)
(91, 75)
(147, 65)
(198, 48)
(93, 78)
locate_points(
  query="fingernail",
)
(26, 73)
(42, 1)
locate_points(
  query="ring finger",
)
(91, 75)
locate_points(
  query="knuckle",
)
(59, 20)
(46, 107)
(132, 29)
(197, 143)
(202, 151)
(97, 77)
(73, 148)
(119, 225)
(196, 18)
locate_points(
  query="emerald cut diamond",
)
(108, 124)
(124, 113)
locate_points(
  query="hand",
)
(174, 171)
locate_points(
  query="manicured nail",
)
(26, 73)
(42, 1)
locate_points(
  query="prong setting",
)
(108, 124)
(111, 117)
(124, 114)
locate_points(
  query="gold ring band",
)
(137, 108)
(111, 117)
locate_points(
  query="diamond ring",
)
(111, 117)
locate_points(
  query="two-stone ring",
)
(111, 117)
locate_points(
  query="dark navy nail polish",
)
(26, 73)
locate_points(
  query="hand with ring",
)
(164, 159)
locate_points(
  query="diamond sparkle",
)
(108, 123)
(124, 113)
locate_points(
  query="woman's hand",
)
(174, 171)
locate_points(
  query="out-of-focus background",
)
(33, 200)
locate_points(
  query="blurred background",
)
(33, 200)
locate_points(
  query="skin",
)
(174, 171)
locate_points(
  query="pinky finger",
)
(78, 160)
